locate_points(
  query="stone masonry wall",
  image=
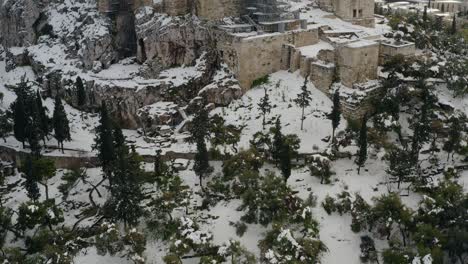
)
(358, 62)
(255, 57)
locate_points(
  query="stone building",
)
(359, 12)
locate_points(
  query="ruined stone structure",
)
(359, 12)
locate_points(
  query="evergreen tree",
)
(362, 153)
(425, 16)
(31, 179)
(303, 100)
(454, 25)
(44, 169)
(285, 161)
(80, 90)
(265, 106)
(201, 166)
(104, 142)
(400, 165)
(199, 131)
(454, 138)
(33, 131)
(278, 140)
(335, 115)
(61, 124)
(5, 125)
(19, 120)
(126, 194)
(159, 166)
(43, 118)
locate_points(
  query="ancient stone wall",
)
(358, 62)
(254, 57)
(388, 50)
(217, 9)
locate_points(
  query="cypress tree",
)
(454, 25)
(425, 15)
(335, 115)
(303, 100)
(19, 120)
(80, 90)
(61, 124)
(285, 161)
(33, 130)
(278, 140)
(104, 142)
(199, 131)
(43, 118)
(201, 166)
(31, 179)
(265, 106)
(126, 194)
(362, 153)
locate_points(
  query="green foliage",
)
(246, 160)
(130, 244)
(401, 164)
(271, 201)
(342, 203)
(362, 153)
(61, 123)
(31, 214)
(265, 106)
(69, 179)
(223, 134)
(396, 256)
(282, 247)
(320, 167)
(335, 114)
(260, 81)
(80, 91)
(104, 141)
(303, 100)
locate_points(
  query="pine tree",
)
(454, 25)
(43, 118)
(335, 115)
(80, 90)
(454, 138)
(285, 161)
(61, 124)
(362, 153)
(278, 140)
(265, 106)
(303, 100)
(104, 141)
(30, 183)
(400, 164)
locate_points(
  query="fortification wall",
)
(254, 57)
(358, 62)
(217, 9)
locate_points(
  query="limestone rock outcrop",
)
(17, 22)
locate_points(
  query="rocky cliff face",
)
(171, 41)
(63, 39)
(18, 19)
